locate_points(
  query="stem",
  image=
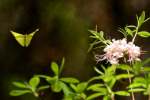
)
(149, 97)
(135, 34)
(112, 97)
(130, 81)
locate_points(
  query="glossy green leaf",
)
(93, 96)
(62, 64)
(122, 93)
(55, 68)
(144, 34)
(121, 76)
(124, 67)
(19, 85)
(81, 87)
(129, 31)
(19, 92)
(69, 80)
(56, 87)
(43, 87)
(136, 90)
(141, 19)
(34, 82)
(95, 86)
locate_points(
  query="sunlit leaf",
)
(34, 82)
(19, 92)
(55, 68)
(93, 96)
(81, 87)
(122, 93)
(144, 34)
(19, 85)
(69, 80)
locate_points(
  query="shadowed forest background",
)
(63, 32)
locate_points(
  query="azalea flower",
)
(118, 49)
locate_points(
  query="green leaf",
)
(43, 87)
(120, 76)
(55, 68)
(19, 85)
(124, 67)
(69, 80)
(93, 96)
(106, 98)
(19, 92)
(95, 86)
(62, 64)
(136, 90)
(81, 87)
(141, 19)
(98, 71)
(122, 93)
(144, 34)
(73, 87)
(136, 85)
(66, 90)
(146, 69)
(140, 80)
(129, 31)
(56, 87)
(34, 82)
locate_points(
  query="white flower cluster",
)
(118, 49)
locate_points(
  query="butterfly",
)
(23, 40)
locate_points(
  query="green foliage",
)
(99, 38)
(133, 31)
(30, 87)
(141, 84)
(109, 78)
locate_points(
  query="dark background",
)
(64, 26)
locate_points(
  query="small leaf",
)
(146, 69)
(56, 87)
(73, 87)
(81, 87)
(136, 85)
(55, 68)
(122, 93)
(93, 96)
(141, 19)
(34, 82)
(118, 77)
(43, 87)
(19, 85)
(136, 90)
(95, 86)
(62, 64)
(98, 71)
(69, 80)
(19, 92)
(144, 34)
(129, 31)
(106, 98)
(124, 67)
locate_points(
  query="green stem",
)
(112, 97)
(135, 34)
(130, 81)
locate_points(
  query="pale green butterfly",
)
(23, 40)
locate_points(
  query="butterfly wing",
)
(20, 38)
(29, 37)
